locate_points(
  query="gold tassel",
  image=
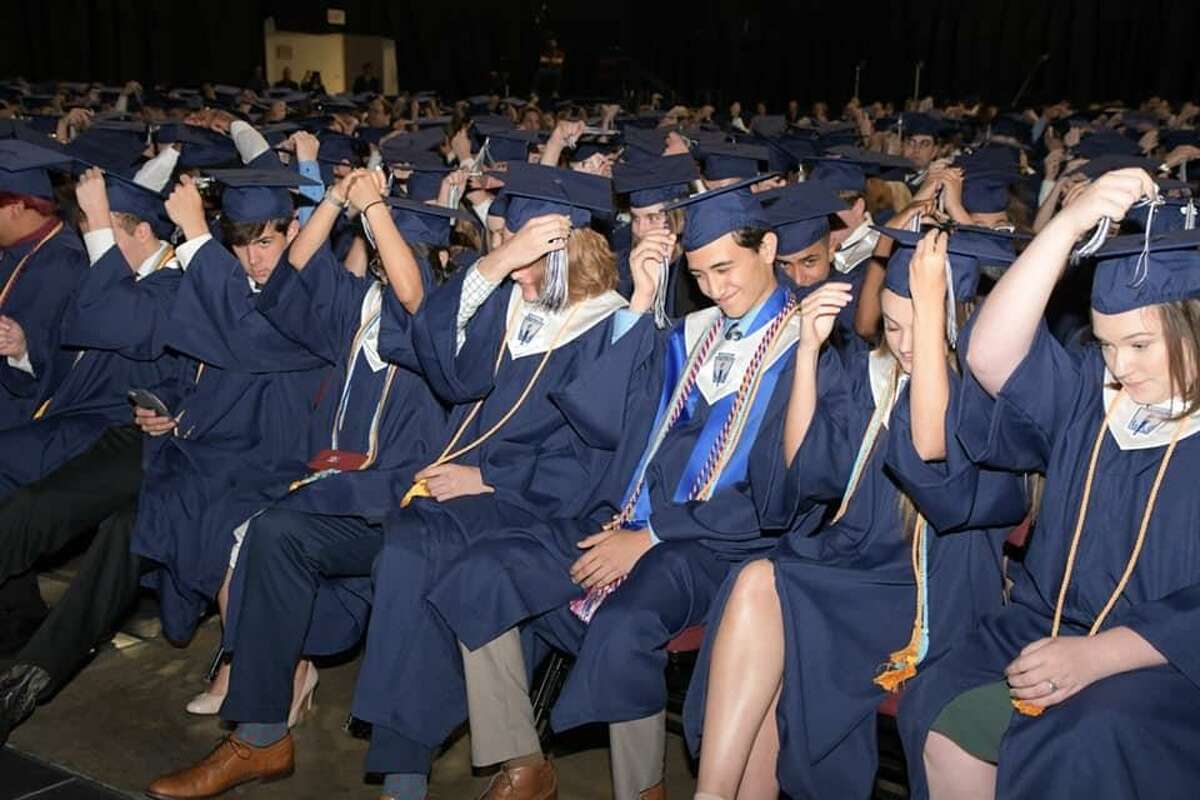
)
(41, 412)
(1027, 708)
(901, 665)
(418, 489)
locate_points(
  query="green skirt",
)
(976, 720)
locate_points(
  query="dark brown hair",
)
(240, 234)
(1181, 331)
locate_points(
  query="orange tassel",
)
(1027, 708)
(901, 665)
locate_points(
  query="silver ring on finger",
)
(1053, 686)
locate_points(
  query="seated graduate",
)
(1087, 684)
(241, 431)
(113, 329)
(77, 469)
(516, 345)
(377, 421)
(651, 183)
(675, 514)
(799, 214)
(301, 584)
(783, 697)
(41, 262)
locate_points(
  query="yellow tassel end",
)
(419, 489)
(1027, 708)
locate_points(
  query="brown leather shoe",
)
(232, 763)
(523, 783)
(656, 792)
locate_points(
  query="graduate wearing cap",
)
(1086, 682)
(784, 696)
(505, 343)
(244, 419)
(650, 185)
(799, 215)
(376, 425)
(613, 585)
(847, 175)
(86, 470)
(727, 164)
(41, 261)
(922, 135)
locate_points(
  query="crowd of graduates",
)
(468, 383)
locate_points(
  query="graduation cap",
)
(585, 150)
(422, 223)
(970, 248)
(427, 170)
(1103, 143)
(45, 124)
(113, 151)
(712, 214)
(1013, 128)
(510, 144)
(257, 195)
(727, 160)
(1139, 270)
(397, 148)
(23, 168)
(842, 173)
(537, 190)
(986, 191)
(989, 158)
(276, 132)
(1175, 214)
(655, 181)
(129, 197)
(916, 124)
(799, 214)
(644, 144)
(201, 147)
(1098, 166)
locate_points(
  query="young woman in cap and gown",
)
(803, 645)
(1087, 684)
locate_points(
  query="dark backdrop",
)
(698, 50)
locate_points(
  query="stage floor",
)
(121, 722)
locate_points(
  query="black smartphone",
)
(144, 398)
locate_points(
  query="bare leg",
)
(759, 781)
(955, 774)
(220, 681)
(744, 679)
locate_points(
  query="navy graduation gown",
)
(114, 329)
(243, 429)
(847, 592)
(37, 300)
(1129, 735)
(670, 588)
(332, 310)
(536, 463)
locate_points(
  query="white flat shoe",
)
(205, 704)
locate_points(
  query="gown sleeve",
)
(1172, 626)
(217, 320)
(114, 311)
(1016, 430)
(952, 494)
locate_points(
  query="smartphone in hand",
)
(144, 398)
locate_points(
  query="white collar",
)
(369, 319)
(730, 358)
(1141, 427)
(535, 330)
(881, 372)
(858, 247)
(150, 264)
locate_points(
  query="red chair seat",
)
(688, 640)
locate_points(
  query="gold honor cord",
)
(17, 270)
(1032, 709)
(421, 488)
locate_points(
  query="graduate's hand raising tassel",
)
(537, 237)
(648, 264)
(185, 207)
